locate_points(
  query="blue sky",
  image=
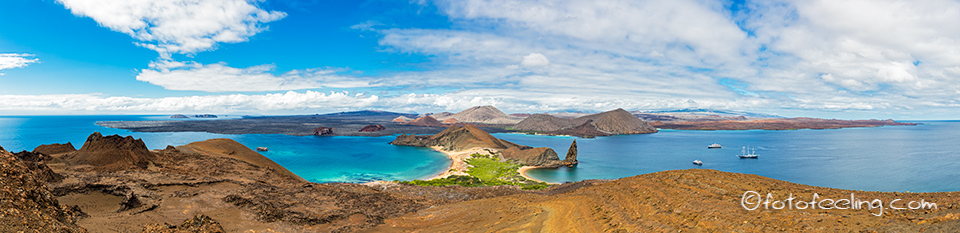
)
(849, 59)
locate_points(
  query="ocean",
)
(920, 158)
(317, 159)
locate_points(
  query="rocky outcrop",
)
(372, 128)
(179, 116)
(571, 159)
(613, 122)
(111, 153)
(56, 148)
(425, 121)
(198, 224)
(26, 203)
(323, 131)
(540, 156)
(468, 136)
(482, 115)
(37, 163)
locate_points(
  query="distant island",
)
(491, 119)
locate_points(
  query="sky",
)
(833, 59)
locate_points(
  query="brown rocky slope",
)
(678, 201)
(612, 122)
(26, 205)
(220, 179)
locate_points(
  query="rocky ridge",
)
(613, 122)
(111, 153)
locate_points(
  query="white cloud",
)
(16, 60)
(178, 26)
(794, 55)
(279, 102)
(534, 60)
(192, 76)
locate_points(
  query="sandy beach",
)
(523, 172)
(458, 164)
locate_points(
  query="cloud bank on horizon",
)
(837, 58)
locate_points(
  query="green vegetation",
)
(485, 171)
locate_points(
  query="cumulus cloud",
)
(193, 76)
(788, 55)
(178, 26)
(278, 102)
(534, 60)
(16, 60)
(792, 55)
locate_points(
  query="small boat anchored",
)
(714, 146)
(262, 149)
(751, 155)
(698, 162)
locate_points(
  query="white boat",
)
(744, 155)
(714, 146)
(698, 162)
(262, 149)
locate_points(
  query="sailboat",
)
(744, 155)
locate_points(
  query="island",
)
(115, 184)
(475, 154)
(491, 119)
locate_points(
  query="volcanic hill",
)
(468, 136)
(482, 115)
(111, 153)
(613, 122)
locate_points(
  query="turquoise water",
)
(318, 159)
(921, 158)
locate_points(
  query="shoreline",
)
(523, 172)
(458, 164)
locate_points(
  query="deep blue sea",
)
(921, 158)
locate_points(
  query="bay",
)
(920, 158)
(924, 158)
